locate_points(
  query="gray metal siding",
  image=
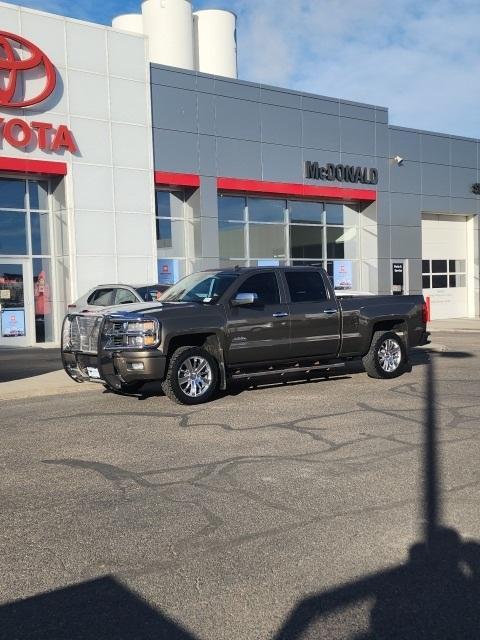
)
(230, 128)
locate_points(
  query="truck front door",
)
(258, 332)
(314, 315)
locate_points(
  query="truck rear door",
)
(314, 315)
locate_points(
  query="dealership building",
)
(133, 154)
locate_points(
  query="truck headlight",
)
(125, 333)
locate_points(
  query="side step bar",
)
(281, 372)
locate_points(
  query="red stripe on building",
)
(295, 190)
(39, 167)
(168, 179)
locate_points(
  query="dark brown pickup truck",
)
(221, 325)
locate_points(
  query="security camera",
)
(398, 160)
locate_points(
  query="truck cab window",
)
(264, 285)
(306, 286)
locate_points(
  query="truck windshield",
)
(205, 288)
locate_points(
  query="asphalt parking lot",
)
(288, 511)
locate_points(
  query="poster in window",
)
(343, 274)
(168, 271)
(13, 323)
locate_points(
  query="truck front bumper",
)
(115, 369)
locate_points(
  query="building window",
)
(263, 231)
(444, 274)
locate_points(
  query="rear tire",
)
(386, 357)
(192, 376)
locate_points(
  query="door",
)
(314, 315)
(445, 264)
(16, 313)
(258, 332)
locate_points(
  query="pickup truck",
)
(221, 325)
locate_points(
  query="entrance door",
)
(16, 326)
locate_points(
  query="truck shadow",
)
(417, 357)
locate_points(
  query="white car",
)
(109, 295)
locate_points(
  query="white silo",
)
(132, 22)
(215, 33)
(169, 27)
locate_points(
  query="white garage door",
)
(444, 265)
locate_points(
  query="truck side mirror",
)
(242, 299)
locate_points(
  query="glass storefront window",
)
(162, 203)
(272, 232)
(335, 242)
(264, 210)
(231, 239)
(231, 208)
(42, 293)
(170, 224)
(305, 212)
(306, 242)
(334, 214)
(13, 233)
(40, 233)
(38, 195)
(164, 233)
(12, 194)
(267, 241)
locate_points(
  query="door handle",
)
(280, 314)
(330, 312)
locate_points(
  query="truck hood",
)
(143, 308)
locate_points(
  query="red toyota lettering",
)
(42, 129)
(17, 133)
(64, 140)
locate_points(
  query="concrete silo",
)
(216, 42)
(169, 27)
(132, 22)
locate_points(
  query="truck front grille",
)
(82, 333)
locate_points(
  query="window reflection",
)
(12, 194)
(13, 233)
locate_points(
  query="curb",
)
(47, 384)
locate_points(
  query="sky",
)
(419, 58)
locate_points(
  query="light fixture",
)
(398, 160)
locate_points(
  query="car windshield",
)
(152, 293)
(205, 288)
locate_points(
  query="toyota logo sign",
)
(13, 67)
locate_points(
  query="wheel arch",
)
(209, 340)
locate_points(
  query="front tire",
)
(386, 357)
(192, 376)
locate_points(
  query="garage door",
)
(444, 265)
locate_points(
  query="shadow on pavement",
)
(17, 364)
(101, 609)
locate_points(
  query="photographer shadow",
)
(435, 595)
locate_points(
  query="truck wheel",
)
(192, 376)
(387, 355)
